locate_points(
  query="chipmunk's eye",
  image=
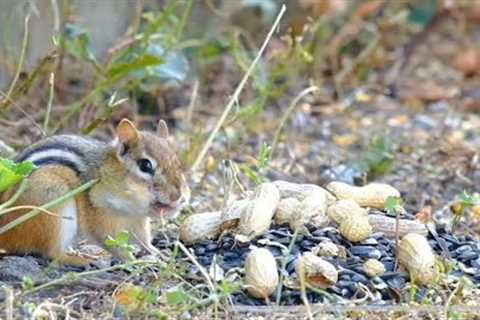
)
(146, 166)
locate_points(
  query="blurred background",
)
(369, 90)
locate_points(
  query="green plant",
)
(465, 202)
(27, 283)
(393, 205)
(121, 242)
(152, 54)
(11, 173)
(378, 158)
(257, 175)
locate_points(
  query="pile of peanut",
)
(297, 205)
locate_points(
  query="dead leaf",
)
(128, 295)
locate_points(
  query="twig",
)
(288, 113)
(26, 114)
(22, 56)
(16, 195)
(9, 299)
(450, 298)
(236, 94)
(51, 92)
(16, 208)
(48, 205)
(198, 265)
(303, 289)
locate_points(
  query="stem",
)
(48, 205)
(198, 265)
(288, 113)
(22, 56)
(236, 94)
(284, 264)
(50, 102)
(14, 198)
(397, 237)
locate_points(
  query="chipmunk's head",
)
(149, 178)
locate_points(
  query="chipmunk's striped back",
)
(78, 153)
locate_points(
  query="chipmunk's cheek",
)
(140, 197)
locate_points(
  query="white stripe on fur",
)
(38, 155)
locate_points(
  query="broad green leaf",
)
(174, 67)
(77, 42)
(138, 63)
(11, 173)
(110, 242)
(392, 203)
(378, 158)
(123, 237)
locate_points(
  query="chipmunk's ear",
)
(162, 129)
(127, 132)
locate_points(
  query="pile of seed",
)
(353, 282)
(338, 241)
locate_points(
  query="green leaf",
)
(177, 297)
(138, 63)
(123, 237)
(77, 42)
(174, 67)
(11, 173)
(264, 156)
(468, 199)
(110, 242)
(24, 168)
(392, 203)
(378, 158)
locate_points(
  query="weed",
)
(378, 158)
(464, 203)
(257, 175)
(11, 173)
(121, 242)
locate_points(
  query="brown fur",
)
(97, 215)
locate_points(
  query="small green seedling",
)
(378, 158)
(263, 160)
(27, 283)
(177, 297)
(465, 202)
(121, 242)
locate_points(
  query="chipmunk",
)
(139, 177)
